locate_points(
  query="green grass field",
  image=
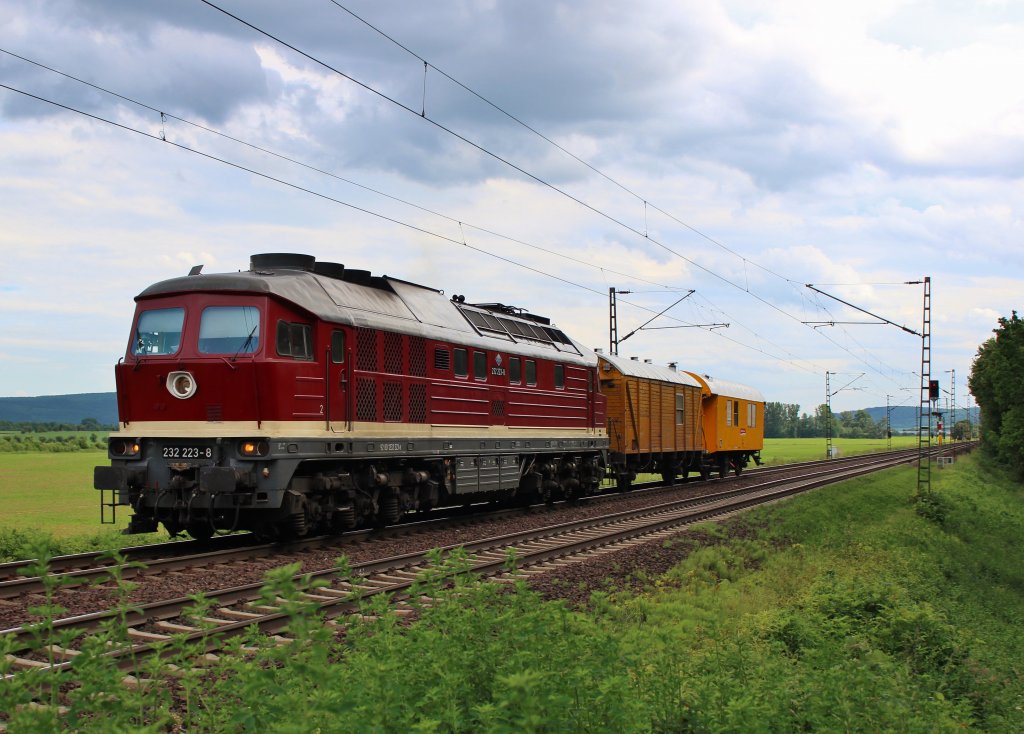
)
(792, 450)
(52, 492)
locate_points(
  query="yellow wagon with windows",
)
(733, 425)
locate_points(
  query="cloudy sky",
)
(740, 148)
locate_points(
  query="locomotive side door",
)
(338, 380)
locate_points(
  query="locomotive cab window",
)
(337, 347)
(229, 330)
(158, 332)
(531, 372)
(559, 377)
(514, 371)
(294, 340)
(480, 365)
(461, 362)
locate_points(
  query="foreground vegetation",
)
(842, 610)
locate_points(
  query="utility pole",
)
(924, 424)
(613, 320)
(952, 403)
(828, 417)
(888, 424)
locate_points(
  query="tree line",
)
(784, 420)
(87, 424)
(997, 383)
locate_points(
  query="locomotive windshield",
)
(158, 332)
(229, 330)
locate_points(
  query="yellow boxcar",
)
(654, 419)
(733, 424)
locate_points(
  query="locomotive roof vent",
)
(672, 366)
(329, 270)
(281, 261)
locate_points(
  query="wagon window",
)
(338, 347)
(736, 413)
(159, 331)
(229, 330)
(480, 365)
(531, 372)
(728, 412)
(461, 362)
(559, 377)
(294, 340)
(680, 409)
(752, 414)
(514, 370)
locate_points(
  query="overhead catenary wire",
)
(536, 178)
(326, 197)
(792, 358)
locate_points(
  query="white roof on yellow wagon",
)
(636, 368)
(714, 386)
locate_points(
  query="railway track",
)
(237, 609)
(19, 578)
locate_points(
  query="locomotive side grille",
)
(366, 343)
(214, 413)
(392, 353)
(417, 403)
(366, 399)
(442, 359)
(392, 401)
(497, 407)
(417, 356)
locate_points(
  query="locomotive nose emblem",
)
(497, 359)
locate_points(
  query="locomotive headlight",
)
(254, 448)
(181, 385)
(124, 447)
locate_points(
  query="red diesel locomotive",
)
(303, 396)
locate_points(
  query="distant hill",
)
(904, 417)
(61, 408)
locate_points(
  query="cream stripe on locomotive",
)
(316, 429)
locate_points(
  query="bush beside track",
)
(841, 610)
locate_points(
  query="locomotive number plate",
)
(188, 452)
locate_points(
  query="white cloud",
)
(861, 143)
